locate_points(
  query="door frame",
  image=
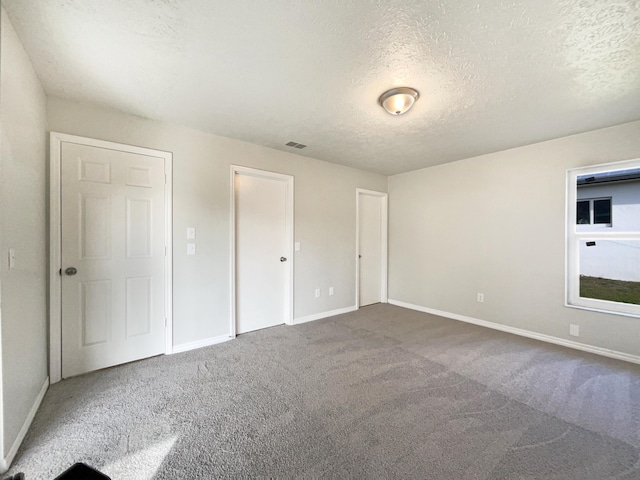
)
(384, 241)
(235, 170)
(55, 240)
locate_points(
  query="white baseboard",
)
(605, 352)
(185, 347)
(5, 462)
(318, 316)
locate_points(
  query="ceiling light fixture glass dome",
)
(398, 100)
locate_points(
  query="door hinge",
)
(165, 322)
(165, 251)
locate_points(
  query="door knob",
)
(71, 271)
(283, 259)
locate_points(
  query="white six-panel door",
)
(112, 257)
(262, 249)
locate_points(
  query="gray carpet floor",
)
(382, 392)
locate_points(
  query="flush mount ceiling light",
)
(398, 100)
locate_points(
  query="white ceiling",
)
(492, 74)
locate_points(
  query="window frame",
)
(592, 212)
(576, 233)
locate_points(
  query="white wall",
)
(324, 214)
(495, 224)
(613, 259)
(23, 228)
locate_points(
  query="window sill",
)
(602, 310)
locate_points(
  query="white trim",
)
(600, 310)
(232, 254)
(384, 240)
(235, 170)
(318, 316)
(55, 240)
(5, 462)
(168, 254)
(207, 342)
(605, 352)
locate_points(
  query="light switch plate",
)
(191, 233)
(191, 248)
(297, 244)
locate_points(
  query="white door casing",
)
(371, 247)
(111, 220)
(262, 244)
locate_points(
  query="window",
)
(602, 211)
(603, 264)
(594, 212)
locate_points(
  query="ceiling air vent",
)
(295, 145)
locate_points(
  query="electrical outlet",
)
(574, 330)
(317, 293)
(330, 290)
(481, 297)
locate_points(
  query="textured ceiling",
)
(492, 74)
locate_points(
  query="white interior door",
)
(113, 236)
(371, 248)
(263, 246)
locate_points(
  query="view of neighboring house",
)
(607, 203)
